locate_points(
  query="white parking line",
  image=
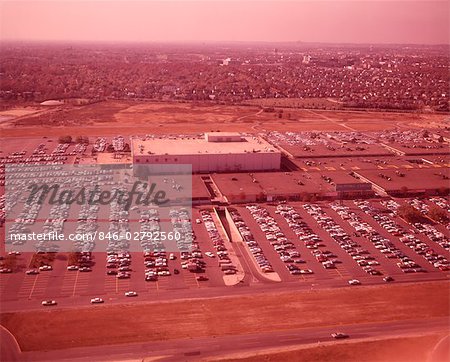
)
(75, 284)
(32, 288)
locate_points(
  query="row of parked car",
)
(149, 225)
(61, 148)
(23, 221)
(79, 148)
(406, 237)
(284, 247)
(383, 245)
(352, 248)
(35, 160)
(250, 241)
(99, 144)
(181, 224)
(441, 202)
(305, 234)
(433, 234)
(119, 225)
(426, 228)
(155, 257)
(191, 254)
(419, 205)
(225, 263)
(119, 264)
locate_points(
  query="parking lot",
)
(340, 241)
(300, 244)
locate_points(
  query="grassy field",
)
(296, 103)
(404, 349)
(143, 322)
(126, 118)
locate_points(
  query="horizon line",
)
(204, 42)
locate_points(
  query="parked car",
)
(48, 303)
(354, 282)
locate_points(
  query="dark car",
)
(339, 335)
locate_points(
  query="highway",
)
(195, 348)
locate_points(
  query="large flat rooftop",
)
(332, 150)
(195, 146)
(412, 179)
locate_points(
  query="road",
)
(195, 348)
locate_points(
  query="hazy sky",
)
(361, 21)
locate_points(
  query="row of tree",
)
(412, 215)
(78, 139)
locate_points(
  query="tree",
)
(82, 139)
(437, 214)
(410, 213)
(65, 139)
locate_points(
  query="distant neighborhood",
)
(388, 78)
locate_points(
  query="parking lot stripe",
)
(75, 284)
(337, 271)
(32, 288)
(151, 286)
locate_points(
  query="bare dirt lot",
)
(127, 117)
(411, 349)
(224, 316)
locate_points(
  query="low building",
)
(216, 152)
